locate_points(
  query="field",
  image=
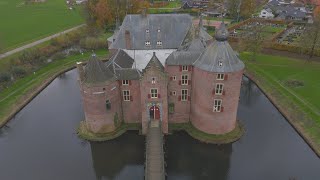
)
(295, 85)
(22, 24)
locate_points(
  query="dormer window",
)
(220, 63)
(147, 30)
(147, 43)
(159, 43)
(159, 30)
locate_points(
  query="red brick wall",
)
(203, 117)
(181, 108)
(131, 109)
(145, 86)
(98, 118)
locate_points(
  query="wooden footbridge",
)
(154, 165)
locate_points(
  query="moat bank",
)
(41, 143)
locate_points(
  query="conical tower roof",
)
(155, 62)
(219, 56)
(96, 71)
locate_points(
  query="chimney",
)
(80, 70)
(128, 39)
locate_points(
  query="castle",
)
(163, 68)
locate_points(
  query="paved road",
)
(37, 42)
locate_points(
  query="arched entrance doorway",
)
(154, 112)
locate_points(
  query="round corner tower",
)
(216, 89)
(100, 96)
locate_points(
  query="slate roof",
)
(173, 29)
(219, 52)
(96, 71)
(154, 62)
(128, 74)
(182, 58)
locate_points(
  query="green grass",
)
(160, 11)
(302, 102)
(173, 4)
(21, 89)
(22, 24)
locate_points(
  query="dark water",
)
(41, 144)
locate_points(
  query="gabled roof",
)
(154, 62)
(96, 71)
(219, 56)
(127, 74)
(173, 29)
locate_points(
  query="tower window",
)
(219, 89)
(184, 94)
(220, 63)
(147, 43)
(184, 68)
(147, 30)
(125, 82)
(159, 43)
(108, 104)
(154, 93)
(184, 80)
(220, 76)
(159, 30)
(217, 105)
(126, 95)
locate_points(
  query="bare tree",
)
(253, 40)
(310, 39)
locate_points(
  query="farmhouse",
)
(165, 69)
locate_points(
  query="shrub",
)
(19, 71)
(93, 43)
(5, 77)
(57, 56)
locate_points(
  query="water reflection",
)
(120, 158)
(249, 92)
(190, 159)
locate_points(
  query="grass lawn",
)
(173, 4)
(275, 73)
(19, 90)
(161, 11)
(22, 24)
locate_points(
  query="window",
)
(220, 76)
(174, 78)
(174, 93)
(153, 80)
(220, 63)
(219, 89)
(147, 30)
(147, 43)
(184, 68)
(126, 95)
(184, 94)
(159, 30)
(125, 82)
(171, 108)
(159, 43)
(184, 80)
(108, 104)
(154, 93)
(217, 106)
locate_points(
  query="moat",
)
(41, 143)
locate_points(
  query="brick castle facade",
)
(166, 69)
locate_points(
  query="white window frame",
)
(154, 95)
(153, 80)
(220, 76)
(185, 68)
(174, 93)
(147, 43)
(183, 80)
(159, 43)
(126, 95)
(219, 88)
(217, 105)
(125, 82)
(147, 30)
(220, 64)
(174, 78)
(184, 96)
